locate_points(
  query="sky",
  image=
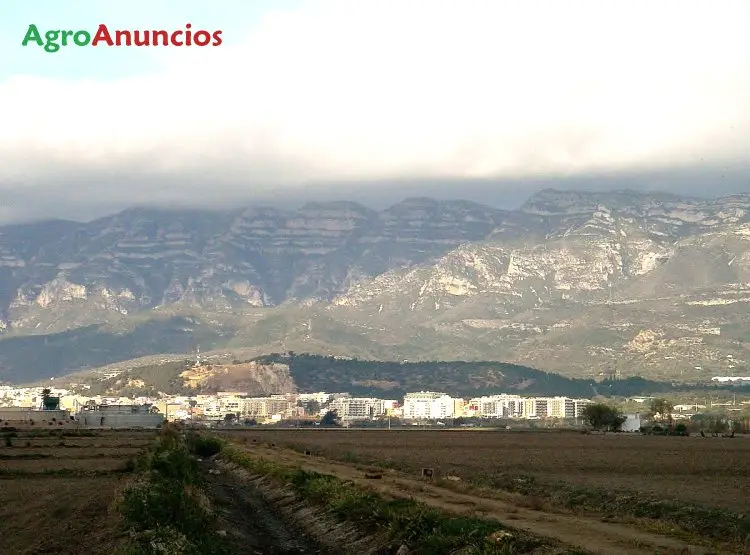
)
(371, 100)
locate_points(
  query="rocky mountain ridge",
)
(145, 258)
(573, 282)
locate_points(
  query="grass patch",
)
(423, 529)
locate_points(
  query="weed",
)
(163, 507)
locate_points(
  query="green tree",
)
(312, 408)
(603, 417)
(719, 426)
(661, 410)
(331, 418)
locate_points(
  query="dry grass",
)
(56, 513)
(712, 472)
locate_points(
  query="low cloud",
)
(376, 91)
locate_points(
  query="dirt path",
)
(586, 533)
(251, 525)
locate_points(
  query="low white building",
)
(632, 423)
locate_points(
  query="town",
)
(237, 406)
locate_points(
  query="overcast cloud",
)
(366, 93)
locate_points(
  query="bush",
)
(204, 447)
(681, 430)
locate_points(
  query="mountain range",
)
(579, 283)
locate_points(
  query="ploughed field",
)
(711, 472)
(58, 489)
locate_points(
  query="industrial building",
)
(29, 415)
(120, 416)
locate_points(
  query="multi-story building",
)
(356, 408)
(580, 404)
(264, 407)
(501, 406)
(427, 405)
(561, 407)
(321, 397)
(472, 408)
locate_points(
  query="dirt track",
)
(583, 532)
(252, 526)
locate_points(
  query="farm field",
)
(57, 489)
(712, 472)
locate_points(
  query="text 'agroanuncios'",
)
(54, 39)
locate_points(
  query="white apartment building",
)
(561, 407)
(515, 406)
(580, 405)
(501, 406)
(427, 405)
(356, 408)
(230, 404)
(320, 397)
(265, 407)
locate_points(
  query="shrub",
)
(681, 430)
(204, 446)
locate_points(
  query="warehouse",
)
(120, 416)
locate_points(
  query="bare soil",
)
(63, 515)
(591, 533)
(59, 516)
(712, 472)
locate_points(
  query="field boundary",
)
(687, 521)
(400, 523)
(597, 535)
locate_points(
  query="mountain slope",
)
(585, 284)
